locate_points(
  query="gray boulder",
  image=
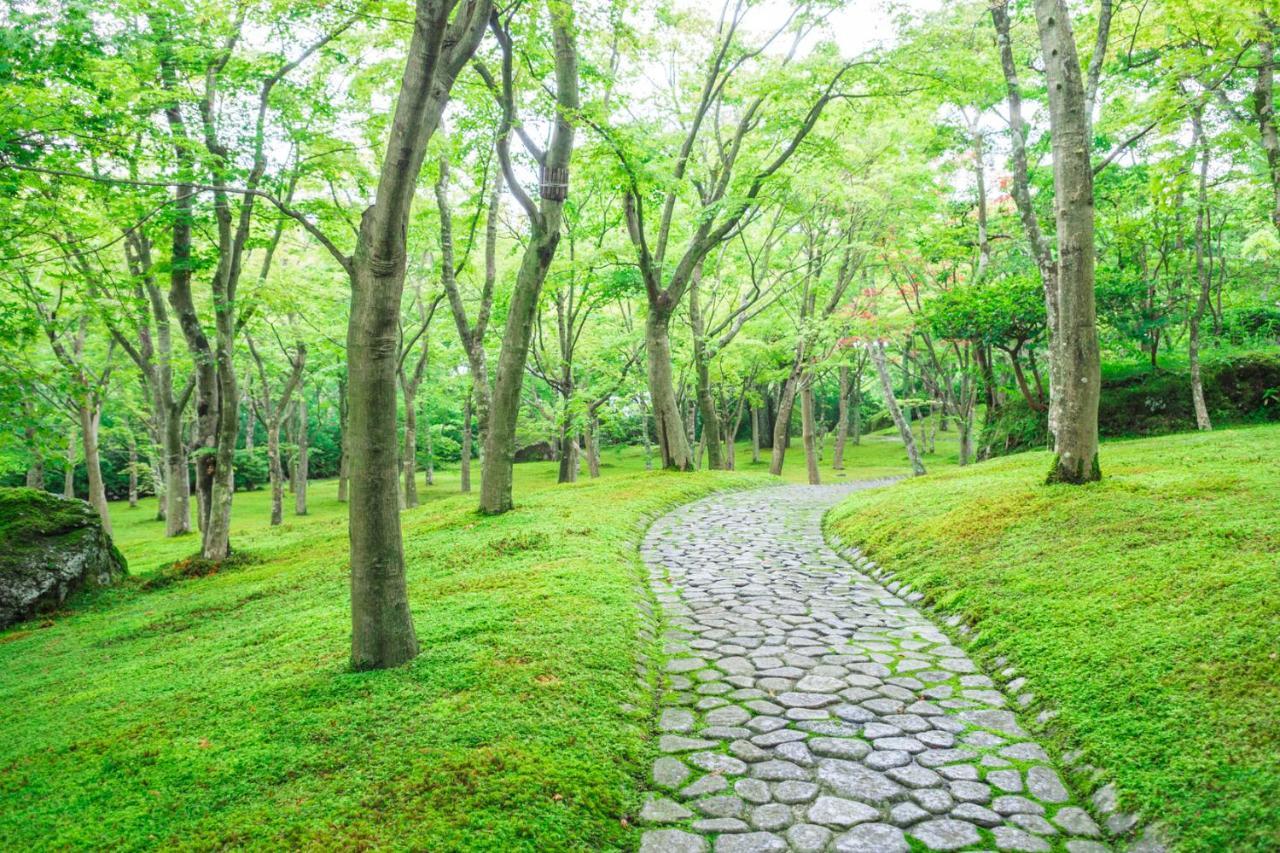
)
(50, 547)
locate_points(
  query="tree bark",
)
(133, 471)
(808, 431)
(89, 419)
(464, 462)
(302, 464)
(1077, 364)
(544, 236)
(842, 420)
(382, 627)
(891, 403)
(593, 446)
(69, 468)
(702, 377)
(673, 444)
(410, 455)
(755, 435)
(782, 423)
(1204, 276)
(343, 459)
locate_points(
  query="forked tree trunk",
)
(673, 444)
(545, 219)
(895, 411)
(1075, 346)
(808, 431)
(782, 424)
(499, 455)
(89, 418)
(382, 632)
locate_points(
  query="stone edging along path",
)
(805, 707)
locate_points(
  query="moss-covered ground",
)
(1145, 608)
(220, 712)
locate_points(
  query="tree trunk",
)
(464, 462)
(545, 220)
(568, 472)
(301, 468)
(1204, 276)
(807, 428)
(1075, 346)
(382, 633)
(275, 471)
(429, 476)
(344, 467)
(593, 446)
(382, 627)
(702, 378)
(177, 476)
(89, 417)
(842, 420)
(673, 445)
(782, 424)
(644, 434)
(499, 455)
(891, 403)
(755, 435)
(856, 406)
(35, 469)
(133, 471)
(410, 455)
(69, 469)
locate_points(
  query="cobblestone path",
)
(806, 708)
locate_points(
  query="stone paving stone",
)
(824, 710)
(673, 841)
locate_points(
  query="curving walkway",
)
(806, 708)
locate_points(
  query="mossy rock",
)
(50, 547)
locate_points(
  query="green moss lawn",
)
(220, 711)
(1145, 608)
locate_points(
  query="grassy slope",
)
(220, 712)
(1146, 608)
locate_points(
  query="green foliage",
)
(1142, 608)
(1006, 313)
(1239, 388)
